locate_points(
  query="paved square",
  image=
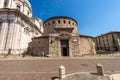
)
(46, 69)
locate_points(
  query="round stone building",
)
(60, 24)
(61, 38)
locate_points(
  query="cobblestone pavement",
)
(46, 69)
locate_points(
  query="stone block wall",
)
(87, 45)
(74, 46)
(54, 46)
(39, 46)
(55, 24)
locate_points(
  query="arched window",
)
(69, 22)
(26, 30)
(59, 21)
(53, 22)
(64, 22)
(73, 23)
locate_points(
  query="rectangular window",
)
(6, 3)
(18, 7)
(26, 30)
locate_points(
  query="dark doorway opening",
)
(65, 47)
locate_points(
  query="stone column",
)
(59, 48)
(70, 48)
(61, 72)
(100, 70)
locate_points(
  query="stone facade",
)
(62, 39)
(17, 26)
(40, 46)
(87, 45)
(108, 42)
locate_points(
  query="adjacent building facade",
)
(61, 38)
(17, 26)
(108, 42)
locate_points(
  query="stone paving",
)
(105, 56)
(47, 68)
(86, 76)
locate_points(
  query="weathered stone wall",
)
(87, 45)
(63, 39)
(58, 24)
(74, 46)
(39, 46)
(53, 46)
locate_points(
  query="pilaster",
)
(3, 35)
(10, 35)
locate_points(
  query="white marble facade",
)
(17, 26)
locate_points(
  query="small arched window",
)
(73, 23)
(53, 22)
(26, 30)
(69, 22)
(59, 21)
(64, 22)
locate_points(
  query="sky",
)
(94, 17)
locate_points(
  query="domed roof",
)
(27, 1)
